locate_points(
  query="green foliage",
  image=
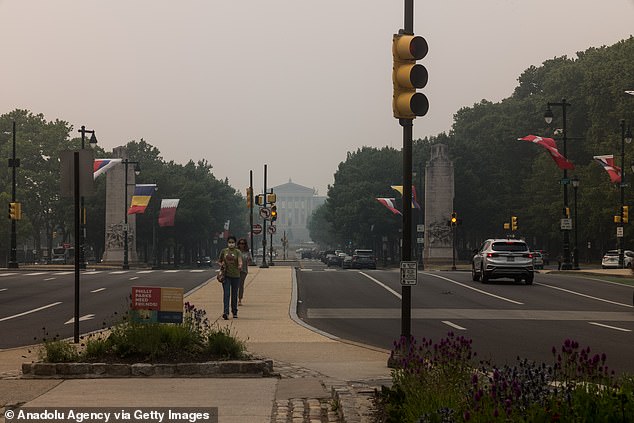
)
(221, 343)
(57, 351)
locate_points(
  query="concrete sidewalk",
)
(313, 367)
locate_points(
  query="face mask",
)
(231, 244)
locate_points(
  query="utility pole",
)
(264, 265)
(14, 163)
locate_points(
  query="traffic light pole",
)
(13, 257)
(251, 212)
(264, 264)
(406, 250)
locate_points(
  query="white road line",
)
(36, 274)
(3, 289)
(145, 271)
(134, 278)
(383, 285)
(119, 272)
(67, 273)
(306, 270)
(172, 271)
(30, 311)
(196, 271)
(7, 274)
(474, 289)
(585, 295)
(49, 279)
(610, 327)
(81, 319)
(330, 270)
(453, 325)
(94, 272)
(98, 290)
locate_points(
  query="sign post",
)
(409, 273)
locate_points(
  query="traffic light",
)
(507, 226)
(567, 212)
(617, 219)
(15, 211)
(259, 199)
(273, 213)
(407, 76)
(626, 210)
(454, 219)
(249, 198)
(513, 223)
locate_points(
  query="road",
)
(35, 305)
(505, 320)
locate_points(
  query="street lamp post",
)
(548, 117)
(137, 170)
(575, 186)
(82, 232)
(625, 137)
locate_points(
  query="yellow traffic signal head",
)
(407, 76)
(273, 213)
(513, 223)
(626, 213)
(15, 211)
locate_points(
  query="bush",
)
(58, 352)
(221, 343)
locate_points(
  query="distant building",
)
(295, 205)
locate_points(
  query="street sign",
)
(257, 229)
(564, 181)
(566, 224)
(271, 229)
(420, 228)
(265, 212)
(409, 273)
(420, 240)
(619, 232)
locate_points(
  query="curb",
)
(232, 368)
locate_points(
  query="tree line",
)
(497, 176)
(206, 202)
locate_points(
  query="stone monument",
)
(116, 207)
(439, 194)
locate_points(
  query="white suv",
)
(503, 258)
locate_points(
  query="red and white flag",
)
(103, 165)
(389, 203)
(549, 144)
(167, 215)
(607, 162)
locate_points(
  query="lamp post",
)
(575, 186)
(82, 232)
(625, 137)
(421, 194)
(14, 163)
(155, 264)
(548, 117)
(137, 170)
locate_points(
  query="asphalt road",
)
(505, 320)
(35, 305)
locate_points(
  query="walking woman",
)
(231, 259)
(244, 270)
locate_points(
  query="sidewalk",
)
(313, 368)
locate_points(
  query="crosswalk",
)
(106, 272)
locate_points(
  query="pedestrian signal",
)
(271, 198)
(625, 214)
(259, 199)
(15, 211)
(249, 198)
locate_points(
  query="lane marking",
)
(145, 271)
(306, 270)
(474, 289)
(585, 295)
(172, 271)
(330, 270)
(197, 270)
(36, 274)
(81, 319)
(119, 272)
(49, 279)
(134, 278)
(7, 274)
(453, 325)
(98, 290)
(382, 285)
(30, 311)
(65, 273)
(3, 289)
(610, 327)
(94, 272)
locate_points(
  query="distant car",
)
(332, 260)
(503, 258)
(204, 262)
(340, 258)
(347, 262)
(611, 259)
(538, 260)
(363, 259)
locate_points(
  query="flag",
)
(399, 188)
(141, 198)
(103, 165)
(608, 164)
(630, 92)
(549, 144)
(167, 215)
(389, 203)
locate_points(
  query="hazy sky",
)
(294, 84)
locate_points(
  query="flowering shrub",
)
(442, 383)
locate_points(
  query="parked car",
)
(363, 259)
(611, 259)
(332, 260)
(340, 257)
(503, 258)
(538, 260)
(347, 262)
